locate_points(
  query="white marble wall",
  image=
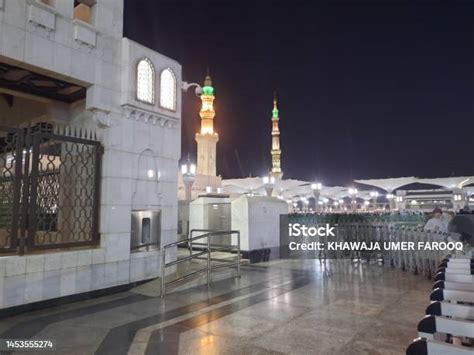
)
(258, 220)
(198, 211)
(136, 138)
(39, 277)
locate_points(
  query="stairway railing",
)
(206, 248)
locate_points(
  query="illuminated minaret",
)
(276, 151)
(207, 139)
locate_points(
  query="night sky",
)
(366, 89)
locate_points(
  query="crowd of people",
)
(439, 221)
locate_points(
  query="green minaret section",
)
(207, 89)
(275, 109)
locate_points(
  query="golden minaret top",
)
(207, 112)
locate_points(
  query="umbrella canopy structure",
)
(242, 186)
(297, 190)
(449, 182)
(285, 187)
(334, 192)
(389, 184)
(256, 185)
(302, 190)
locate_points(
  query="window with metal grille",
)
(146, 81)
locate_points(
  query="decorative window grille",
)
(146, 81)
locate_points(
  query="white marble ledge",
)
(42, 15)
(85, 33)
(139, 114)
(144, 254)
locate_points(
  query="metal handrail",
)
(209, 234)
(214, 231)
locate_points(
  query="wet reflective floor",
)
(285, 306)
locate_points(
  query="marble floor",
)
(285, 306)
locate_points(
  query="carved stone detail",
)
(102, 118)
(138, 114)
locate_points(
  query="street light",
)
(316, 187)
(352, 191)
(280, 195)
(391, 200)
(305, 204)
(188, 171)
(353, 194)
(340, 203)
(374, 195)
(325, 201)
(269, 182)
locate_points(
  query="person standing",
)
(436, 223)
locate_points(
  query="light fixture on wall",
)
(150, 173)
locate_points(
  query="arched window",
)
(146, 81)
(168, 89)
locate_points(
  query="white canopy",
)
(242, 185)
(389, 184)
(291, 188)
(449, 182)
(287, 188)
(288, 185)
(256, 185)
(335, 192)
